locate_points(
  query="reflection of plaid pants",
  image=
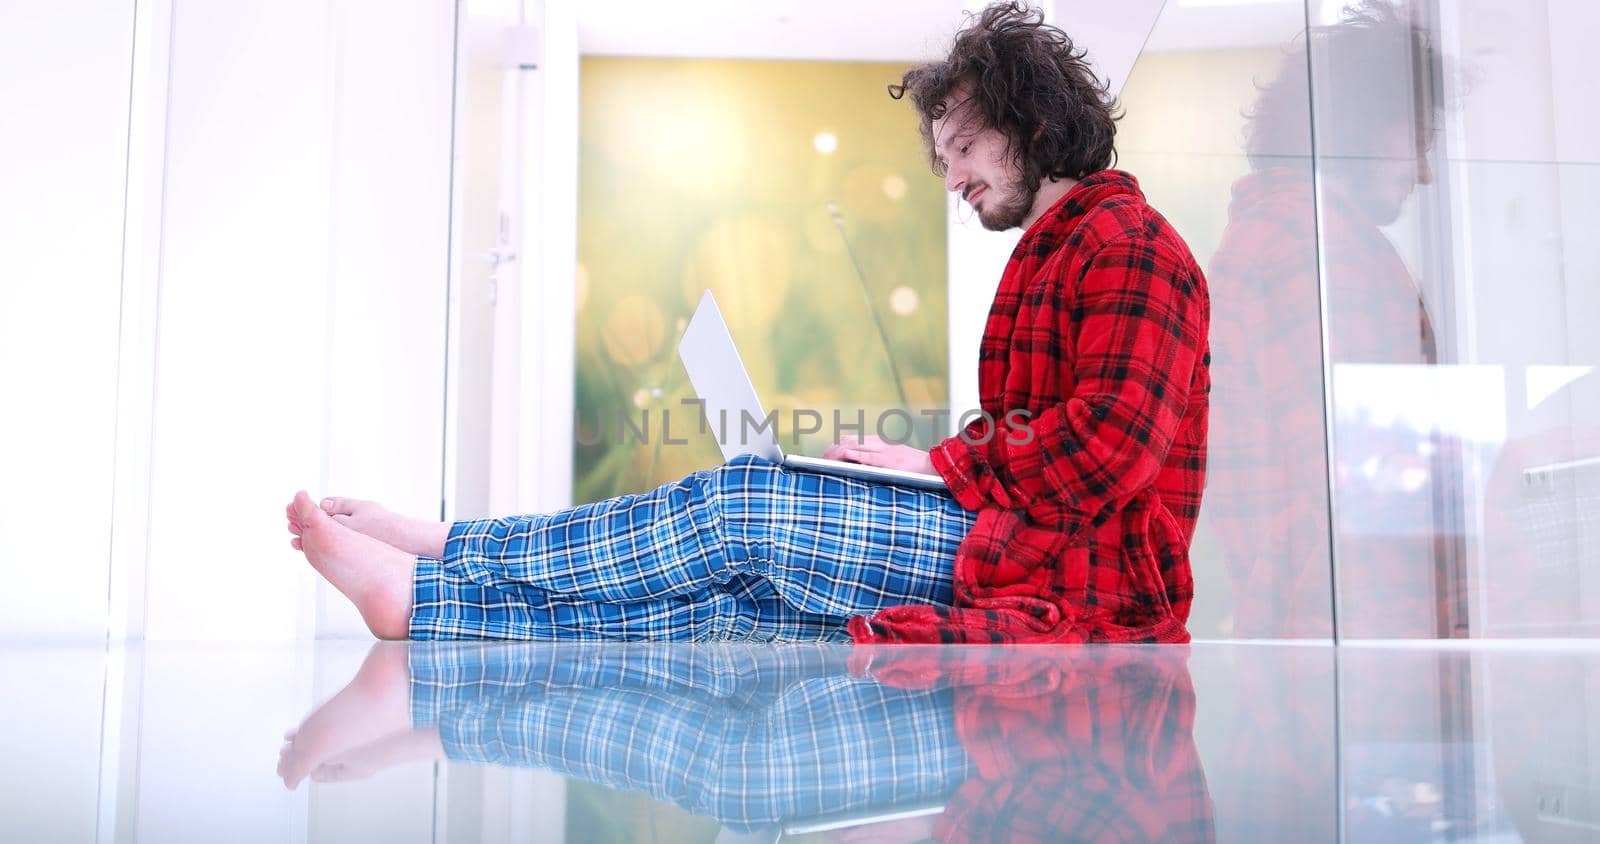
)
(748, 550)
(746, 735)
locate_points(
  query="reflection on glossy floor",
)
(589, 742)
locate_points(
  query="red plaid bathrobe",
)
(1099, 332)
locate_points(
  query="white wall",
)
(64, 75)
(302, 295)
(241, 398)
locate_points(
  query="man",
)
(1074, 529)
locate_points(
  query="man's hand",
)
(873, 451)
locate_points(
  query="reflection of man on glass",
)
(1075, 528)
(1268, 494)
(1269, 487)
(976, 744)
(750, 736)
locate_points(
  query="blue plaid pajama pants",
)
(746, 551)
(750, 736)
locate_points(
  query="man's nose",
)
(954, 180)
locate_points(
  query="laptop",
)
(723, 386)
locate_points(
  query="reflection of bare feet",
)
(374, 575)
(414, 536)
(377, 703)
(420, 745)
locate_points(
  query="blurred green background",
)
(717, 174)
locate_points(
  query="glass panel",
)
(1456, 186)
(1217, 130)
(64, 181)
(1372, 84)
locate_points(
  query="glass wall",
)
(1452, 142)
(1217, 132)
(1390, 200)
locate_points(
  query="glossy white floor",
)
(395, 742)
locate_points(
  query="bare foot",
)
(414, 536)
(374, 575)
(419, 745)
(376, 704)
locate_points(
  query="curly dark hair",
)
(1026, 79)
(1362, 60)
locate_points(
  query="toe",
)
(335, 505)
(305, 512)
